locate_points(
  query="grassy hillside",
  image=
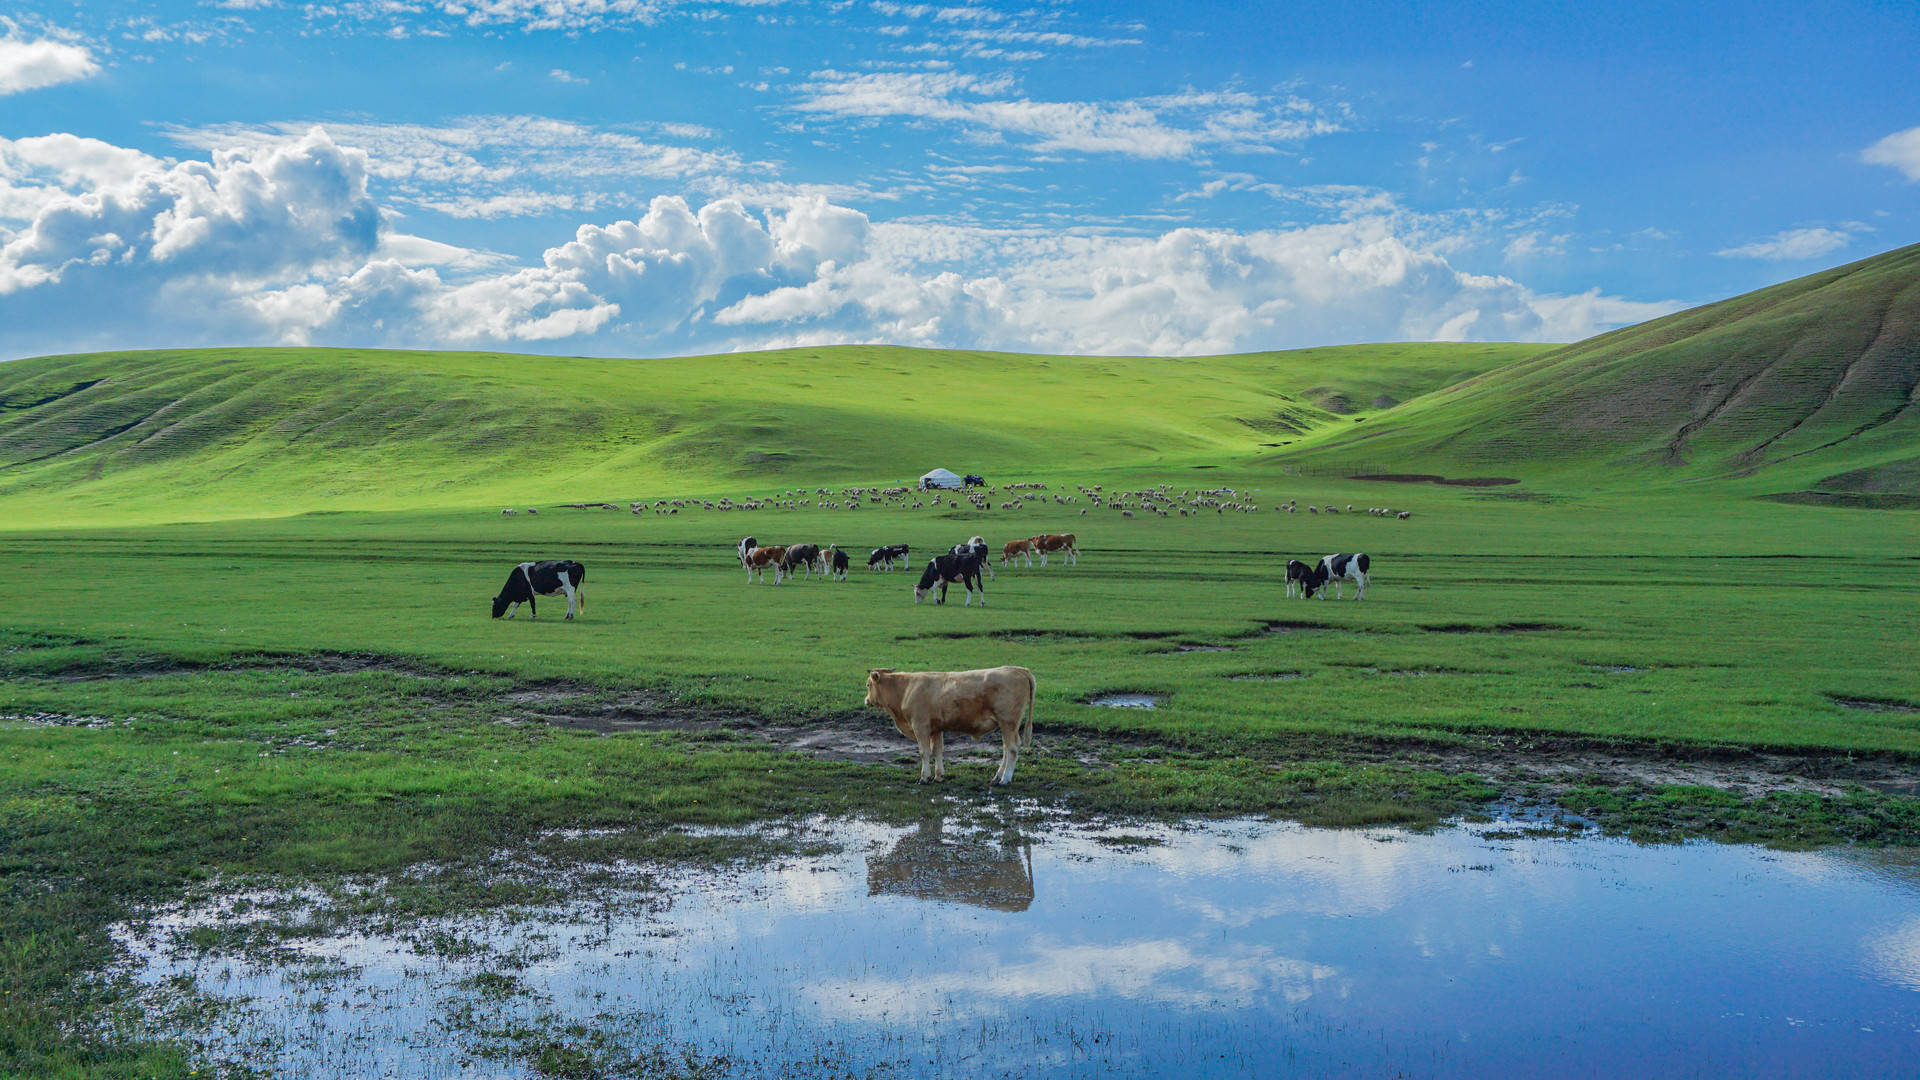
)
(156, 436)
(1805, 386)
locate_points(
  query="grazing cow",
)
(1063, 543)
(1015, 549)
(836, 562)
(971, 480)
(758, 559)
(807, 555)
(947, 569)
(1302, 579)
(976, 546)
(747, 543)
(1339, 569)
(508, 512)
(884, 556)
(927, 704)
(531, 579)
(1404, 515)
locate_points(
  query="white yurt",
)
(940, 478)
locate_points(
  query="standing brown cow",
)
(1016, 549)
(928, 704)
(1063, 543)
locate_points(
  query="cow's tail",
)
(1026, 728)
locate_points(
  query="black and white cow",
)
(836, 561)
(1302, 580)
(885, 556)
(947, 569)
(1339, 569)
(976, 546)
(531, 579)
(747, 543)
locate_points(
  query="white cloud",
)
(281, 241)
(1900, 150)
(1176, 126)
(487, 166)
(1791, 244)
(562, 75)
(37, 64)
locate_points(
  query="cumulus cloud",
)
(1791, 244)
(39, 63)
(278, 240)
(1900, 150)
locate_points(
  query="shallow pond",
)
(1231, 949)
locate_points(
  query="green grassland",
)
(243, 626)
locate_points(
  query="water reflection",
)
(930, 864)
(1229, 949)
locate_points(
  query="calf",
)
(758, 559)
(836, 562)
(925, 705)
(1015, 549)
(947, 569)
(1302, 579)
(1340, 569)
(531, 579)
(884, 556)
(746, 544)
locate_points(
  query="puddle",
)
(1227, 949)
(1127, 701)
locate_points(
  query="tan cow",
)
(758, 559)
(1060, 542)
(1014, 549)
(928, 704)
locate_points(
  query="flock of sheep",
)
(1161, 501)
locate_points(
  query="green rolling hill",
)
(233, 433)
(1805, 389)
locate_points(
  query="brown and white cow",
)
(925, 705)
(758, 559)
(1063, 543)
(1014, 549)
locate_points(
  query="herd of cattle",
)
(963, 564)
(925, 705)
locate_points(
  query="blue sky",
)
(648, 177)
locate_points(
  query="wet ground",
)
(1226, 949)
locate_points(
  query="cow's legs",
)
(567, 587)
(939, 755)
(925, 740)
(1043, 558)
(1360, 588)
(1008, 754)
(514, 609)
(533, 609)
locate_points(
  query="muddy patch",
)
(1429, 478)
(1618, 669)
(1192, 647)
(1872, 704)
(63, 720)
(1269, 676)
(1287, 626)
(1498, 628)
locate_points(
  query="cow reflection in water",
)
(965, 869)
